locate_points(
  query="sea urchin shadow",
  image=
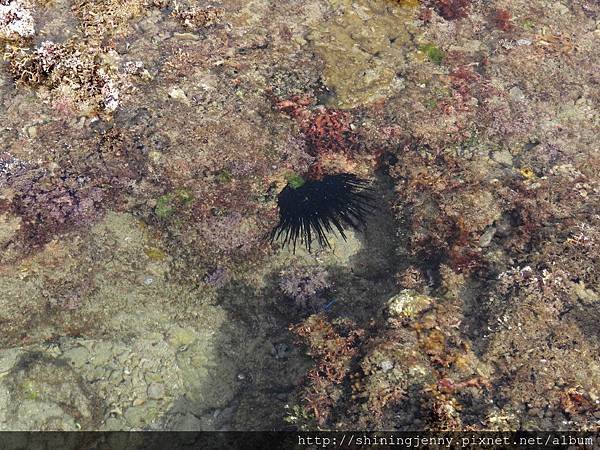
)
(309, 211)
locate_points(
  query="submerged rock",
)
(407, 304)
(370, 36)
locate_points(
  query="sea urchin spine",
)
(310, 209)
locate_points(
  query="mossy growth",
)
(433, 53)
(528, 24)
(167, 205)
(430, 103)
(155, 254)
(164, 208)
(224, 176)
(30, 391)
(294, 180)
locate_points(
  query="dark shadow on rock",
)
(256, 340)
(362, 287)
(477, 315)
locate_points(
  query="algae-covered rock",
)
(407, 304)
(45, 394)
(370, 37)
(143, 147)
(9, 225)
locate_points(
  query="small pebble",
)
(156, 391)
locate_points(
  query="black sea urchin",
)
(310, 209)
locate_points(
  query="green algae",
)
(433, 53)
(295, 181)
(166, 205)
(224, 176)
(155, 254)
(528, 24)
(30, 391)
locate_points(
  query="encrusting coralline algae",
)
(16, 19)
